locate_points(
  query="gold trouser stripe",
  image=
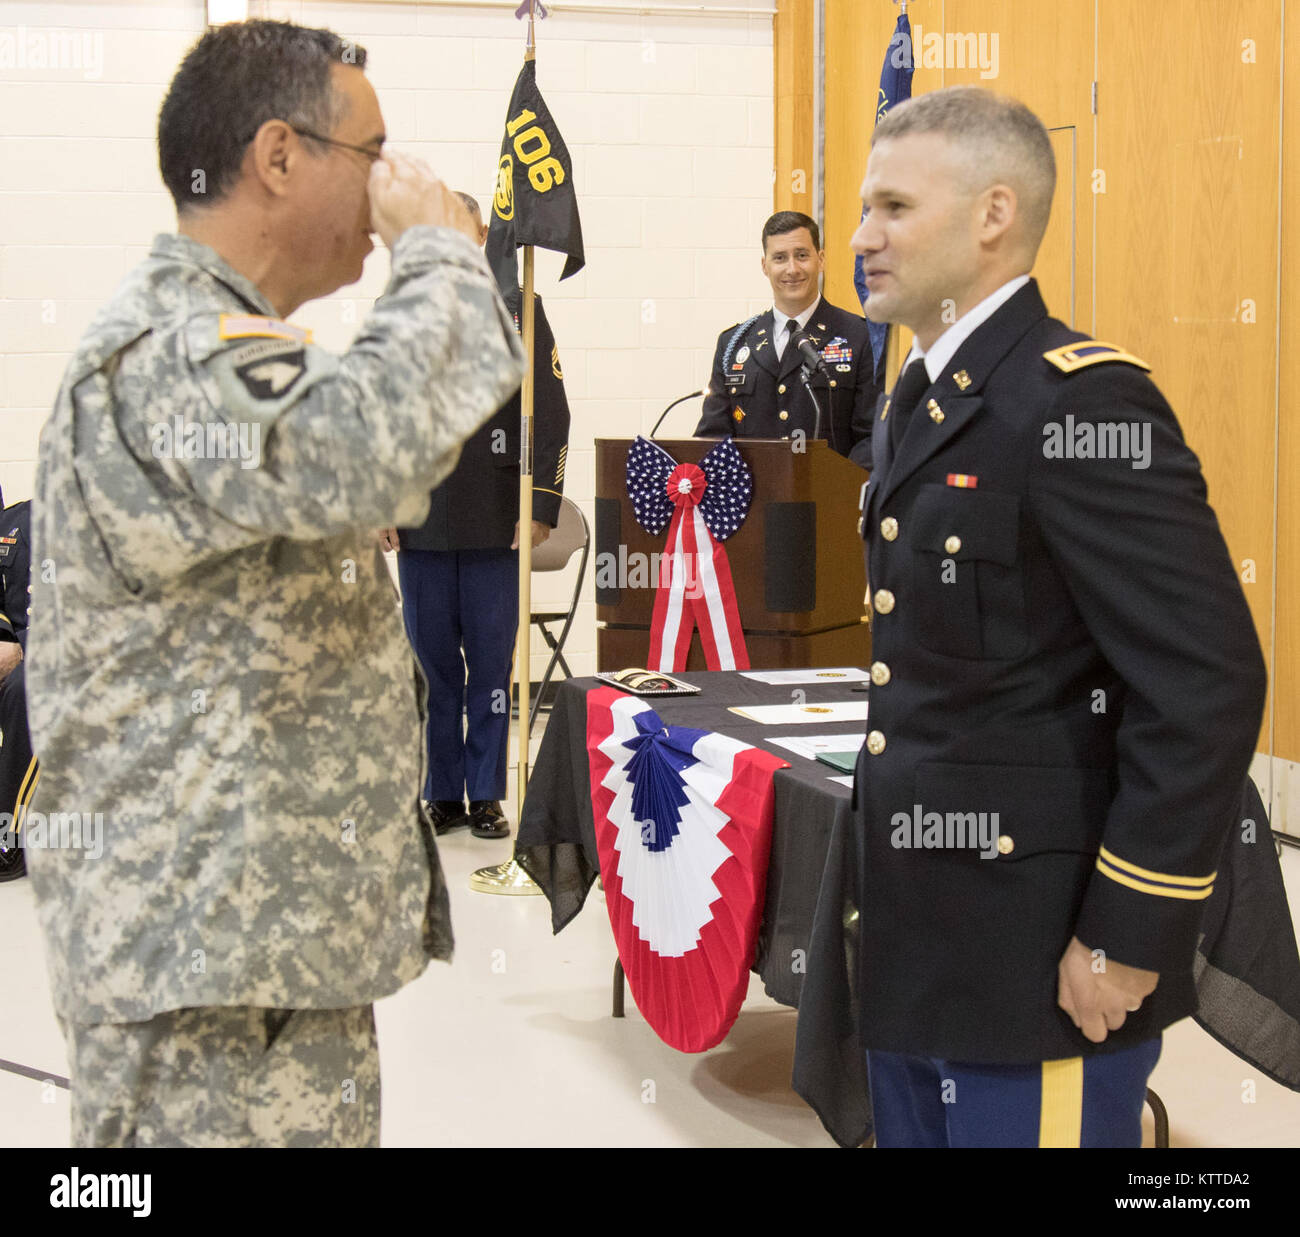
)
(1191, 882)
(1060, 1118)
(1163, 891)
(25, 792)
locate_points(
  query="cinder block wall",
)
(669, 120)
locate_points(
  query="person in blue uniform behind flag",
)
(459, 573)
(1067, 687)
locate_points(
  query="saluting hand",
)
(404, 192)
(1100, 993)
(388, 540)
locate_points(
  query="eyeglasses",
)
(372, 155)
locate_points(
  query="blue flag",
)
(895, 86)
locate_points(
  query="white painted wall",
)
(669, 120)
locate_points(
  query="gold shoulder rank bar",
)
(1160, 884)
(1087, 352)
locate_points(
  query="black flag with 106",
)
(534, 202)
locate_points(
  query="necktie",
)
(907, 394)
(784, 341)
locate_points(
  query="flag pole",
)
(509, 877)
(523, 642)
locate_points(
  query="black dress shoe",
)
(487, 820)
(447, 814)
(13, 863)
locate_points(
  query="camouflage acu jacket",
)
(220, 687)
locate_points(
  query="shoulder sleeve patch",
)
(258, 377)
(1077, 356)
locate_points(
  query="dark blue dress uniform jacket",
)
(477, 507)
(754, 395)
(15, 560)
(1062, 641)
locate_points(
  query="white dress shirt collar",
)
(945, 347)
(779, 336)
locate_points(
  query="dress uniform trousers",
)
(227, 1076)
(1093, 1101)
(468, 600)
(19, 771)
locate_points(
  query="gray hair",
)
(471, 205)
(999, 140)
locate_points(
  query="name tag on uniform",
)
(735, 380)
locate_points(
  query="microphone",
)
(811, 357)
(812, 362)
(682, 400)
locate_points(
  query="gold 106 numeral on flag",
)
(544, 170)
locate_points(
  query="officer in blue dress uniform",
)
(459, 573)
(756, 390)
(1067, 687)
(19, 770)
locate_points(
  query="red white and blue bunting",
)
(683, 829)
(702, 505)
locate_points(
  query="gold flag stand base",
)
(506, 878)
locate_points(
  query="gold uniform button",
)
(884, 601)
(875, 742)
(880, 673)
(936, 413)
(952, 545)
(781, 389)
(889, 528)
(832, 382)
(1006, 844)
(785, 416)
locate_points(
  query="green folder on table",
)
(841, 762)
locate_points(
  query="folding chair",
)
(569, 536)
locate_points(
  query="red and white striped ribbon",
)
(695, 587)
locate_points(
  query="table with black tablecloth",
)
(1248, 970)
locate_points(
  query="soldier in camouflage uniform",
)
(218, 666)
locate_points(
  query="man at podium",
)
(756, 390)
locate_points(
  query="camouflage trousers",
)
(227, 1076)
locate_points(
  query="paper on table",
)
(832, 674)
(843, 781)
(786, 714)
(810, 746)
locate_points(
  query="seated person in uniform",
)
(756, 390)
(19, 771)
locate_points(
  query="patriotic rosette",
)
(683, 828)
(701, 505)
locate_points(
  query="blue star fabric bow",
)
(727, 495)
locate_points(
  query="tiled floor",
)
(513, 1044)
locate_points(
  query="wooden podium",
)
(797, 562)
